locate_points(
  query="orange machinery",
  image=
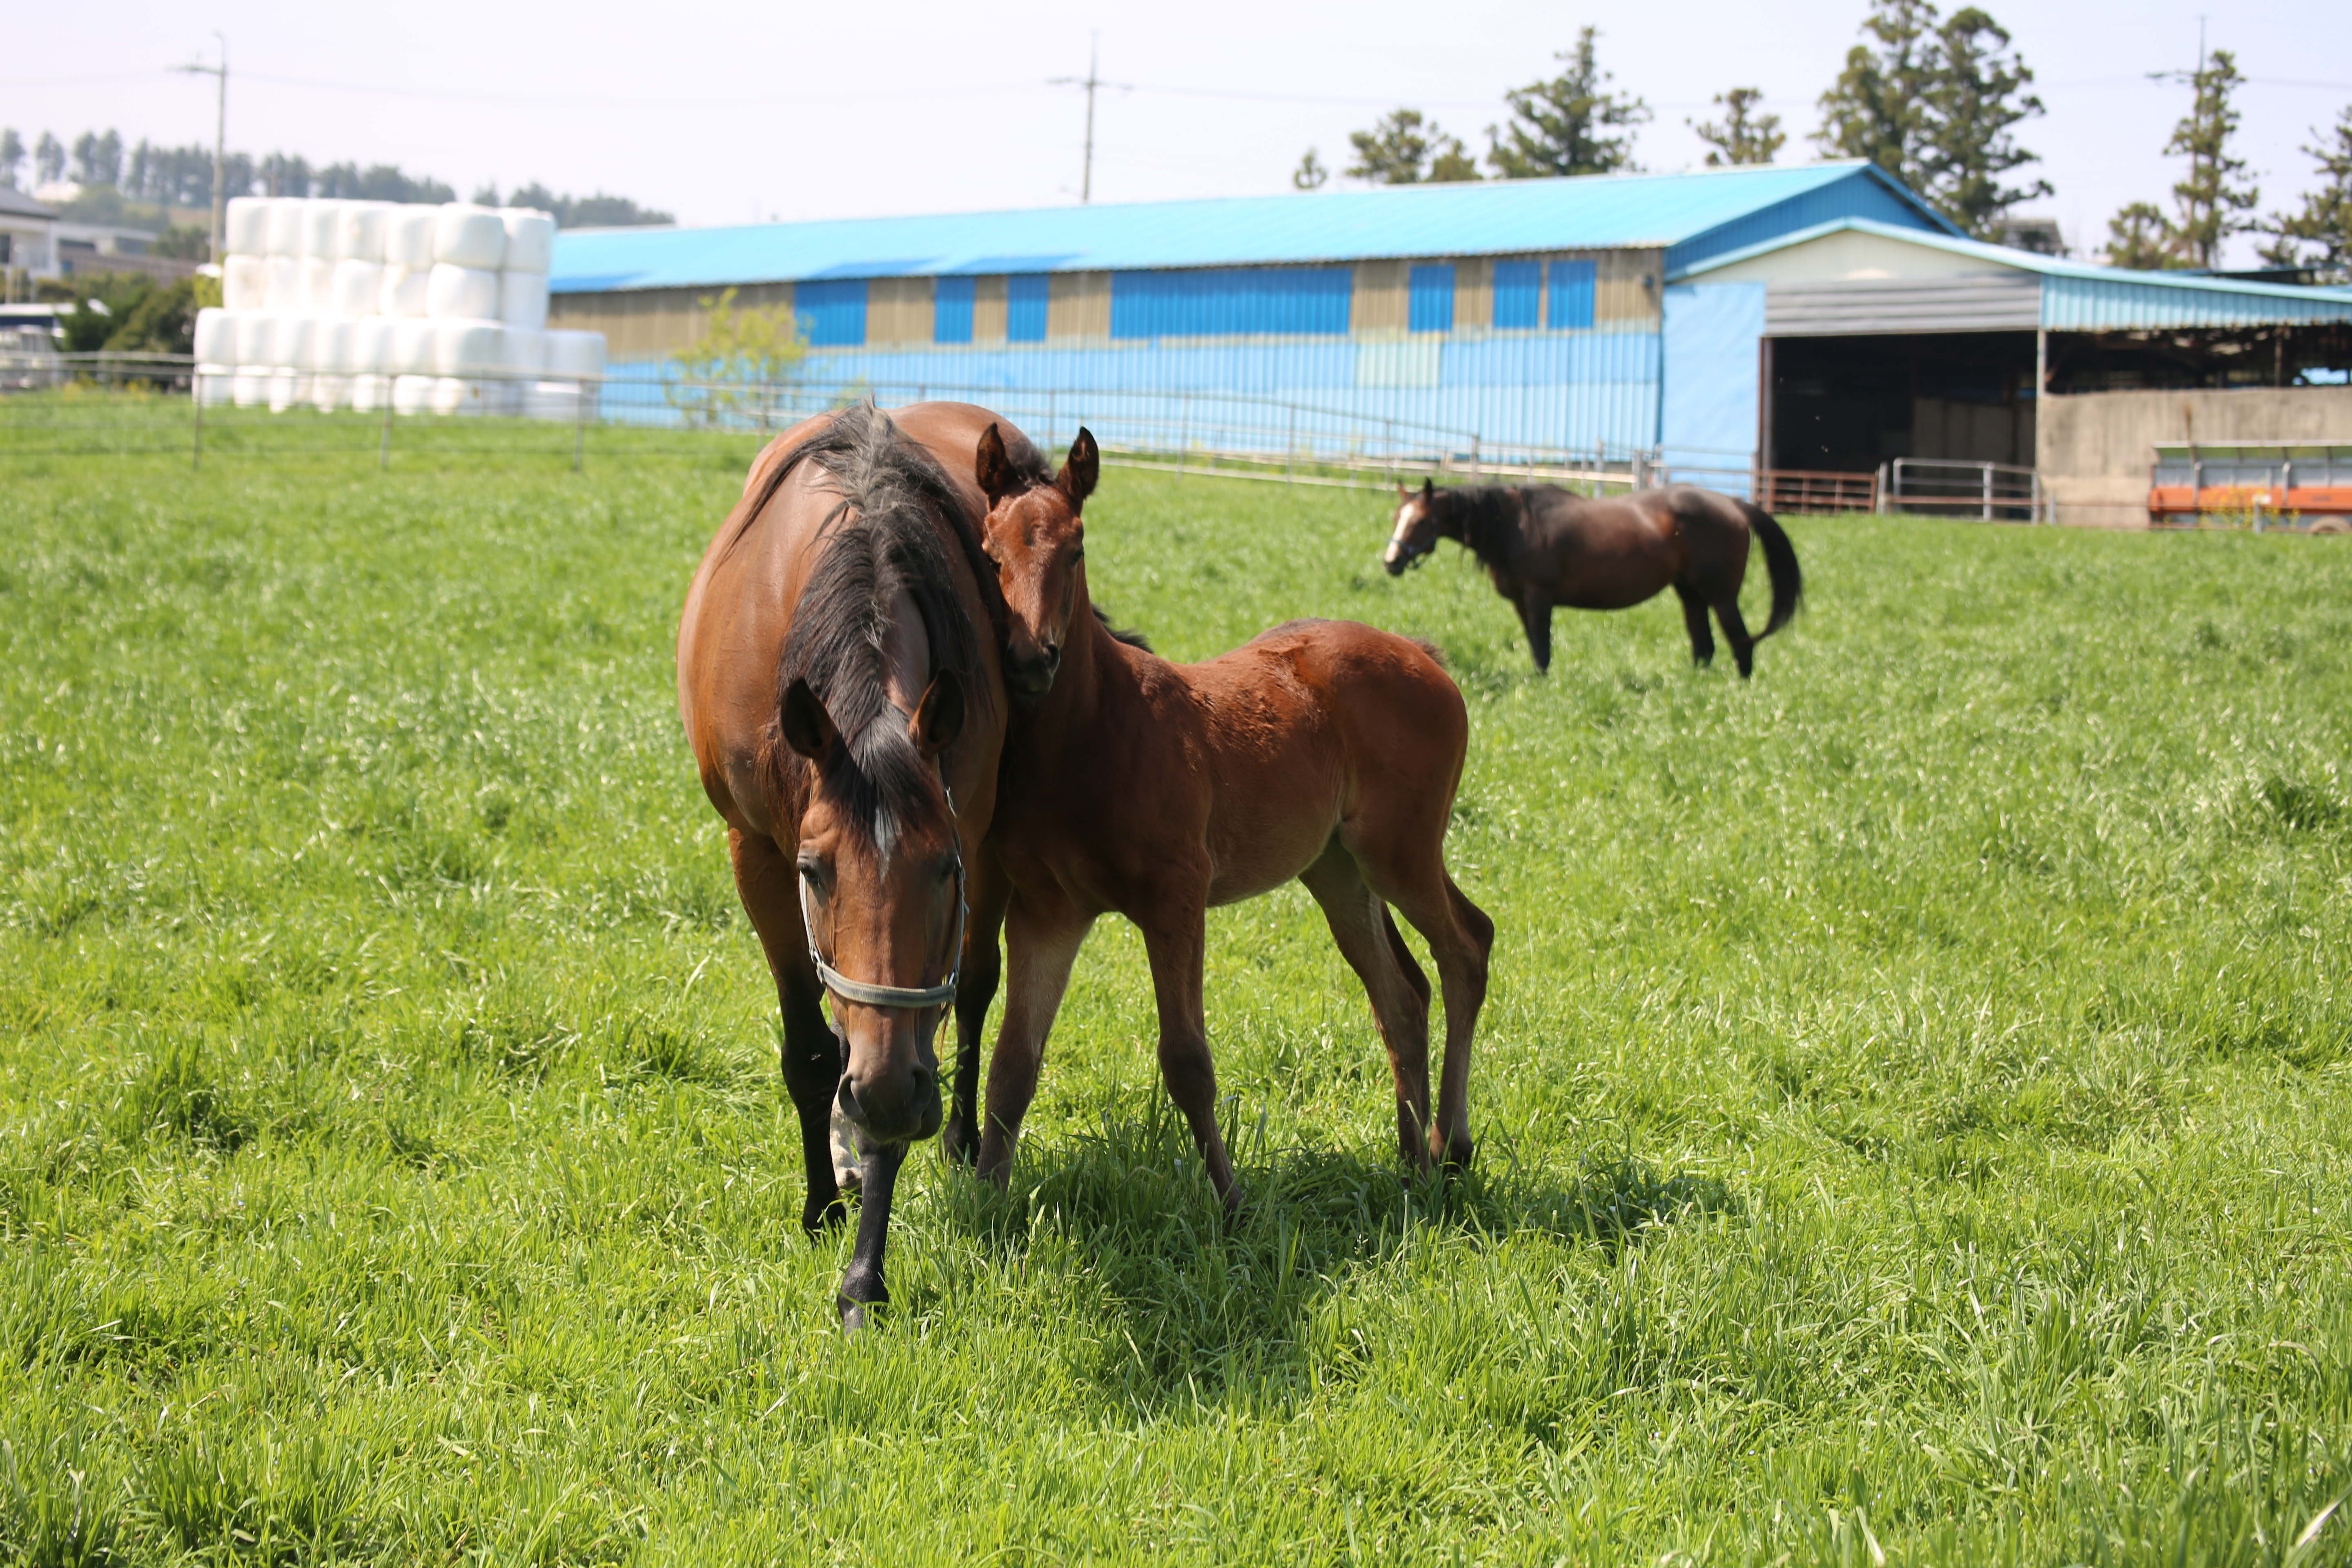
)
(2275, 483)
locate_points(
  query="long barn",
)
(1604, 314)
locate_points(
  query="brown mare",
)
(1543, 546)
(1323, 749)
(839, 677)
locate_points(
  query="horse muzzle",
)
(902, 1108)
(1029, 679)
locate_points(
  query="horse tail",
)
(1780, 564)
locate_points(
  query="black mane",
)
(884, 534)
(1485, 518)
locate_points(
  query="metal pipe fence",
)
(151, 404)
(1953, 486)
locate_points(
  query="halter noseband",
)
(908, 996)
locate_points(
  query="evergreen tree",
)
(12, 155)
(1878, 108)
(48, 160)
(2139, 237)
(1744, 136)
(2214, 200)
(1403, 149)
(1979, 94)
(1310, 174)
(1564, 125)
(98, 160)
(2325, 222)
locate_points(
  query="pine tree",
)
(2214, 200)
(1979, 94)
(2140, 238)
(48, 160)
(2326, 221)
(12, 157)
(1878, 108)
(1744, 136)
(1403, 149)
(1310, 174)
(1562, 126)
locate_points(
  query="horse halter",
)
(912, 997)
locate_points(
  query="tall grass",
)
(1913, 1100)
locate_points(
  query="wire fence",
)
(156, 405)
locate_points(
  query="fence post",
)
(383, 444)
(1987, 492)
(1290, 448)
(196, 395)
(580, 427)
(1184, 433)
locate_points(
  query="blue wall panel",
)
(1572, 287)
(1231, 301)
(1025, 297)
(1518, 294)
(1860, 197)
(832, 313)
(951, 310)
(1430, 301)
(1708, 417)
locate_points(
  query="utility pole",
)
(1090, 82)
(220, 145)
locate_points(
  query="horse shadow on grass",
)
(1207, 1305)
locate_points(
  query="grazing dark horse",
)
(1323, 749)
(1543, 546)
(839, 677)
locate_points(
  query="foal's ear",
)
(808, 728)
(938, 717)
(1076, 480)
(991, 467)
(1428, 489)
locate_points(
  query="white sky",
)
(725, 112)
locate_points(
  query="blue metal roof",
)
(1484, 218)
(2077, 297)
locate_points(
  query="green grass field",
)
(1914, 1099)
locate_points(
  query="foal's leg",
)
(1039, 948)
(769, 890)
(1177, 940)
(986, 897)
(1702, 640)
(1460, 936)
(1535, 616)
(1735, 632)
(1399, 993)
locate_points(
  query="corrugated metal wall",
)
(2103, 304)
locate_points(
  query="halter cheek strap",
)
(910, 996)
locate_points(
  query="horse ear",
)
(1429, 487)
(1078, 475)
(808, 728)
(938, 717)
(992, 466)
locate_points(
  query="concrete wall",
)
(2095, 448)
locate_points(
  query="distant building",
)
(1813, 318)
(26, 229)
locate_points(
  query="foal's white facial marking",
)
(1408, 514)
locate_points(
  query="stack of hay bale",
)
(372, 305)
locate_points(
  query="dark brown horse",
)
(1324, 751)
(1543, 547)
(839, 677)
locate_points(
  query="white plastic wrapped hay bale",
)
(405, 291)
(287, 389)
(413, 394)
(365, 225)
(461, 395)
(467, 236)
(336, 357)
(322, 230)
(552, 400)
(530, 240)
(371, 362)
(408, 236)
(358, 287)
(462, 294)
(413, 346)
(256, 338)
(318, 283)
(285, 224)
(246, 225)
(249, 388)
(245, 282)
(522, 358)
(285, 289)
(572, 354)
(215, 336)
(522, 300)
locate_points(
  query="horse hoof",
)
(822, 1215)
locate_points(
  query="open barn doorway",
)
(1847, 405)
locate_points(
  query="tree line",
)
(1933, 99)
(138, 185)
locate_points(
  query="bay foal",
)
(1322, 750)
